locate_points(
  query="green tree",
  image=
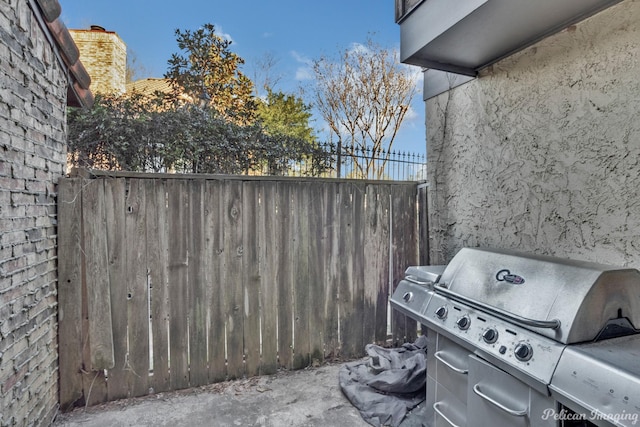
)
(139, 133)
(283, 114)
(207, 72)
(285, 119)
(129, 132)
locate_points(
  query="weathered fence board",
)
(232, 286)
(157, 265)
(69, 293)
(283, 279)
(317, 271)
(348, 336)
(98, 298)
(178, 226)
(137, 294)
(198, 371)
(269, 226)
(376, 248)
(301, 280)
(252, 239)
(333, 270)
(215, 253)
(357, 277)
(95, 338)
(118, 385)
(404, 253)
(168, 282)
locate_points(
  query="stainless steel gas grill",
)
(521, 340)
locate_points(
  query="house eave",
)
(47, 13)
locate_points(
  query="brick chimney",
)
(104, 56)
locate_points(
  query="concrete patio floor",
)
(308, 397)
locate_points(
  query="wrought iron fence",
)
(324, 160)
(331, 161)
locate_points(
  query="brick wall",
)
(32, 157)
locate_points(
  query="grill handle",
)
(438, 355)
(436, 407)
(412, 279)
(515, 413)
(509, 317)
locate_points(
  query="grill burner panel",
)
(529, 356)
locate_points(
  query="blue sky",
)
(293, 32)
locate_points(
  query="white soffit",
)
(465, 36)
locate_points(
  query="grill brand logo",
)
(506, 276)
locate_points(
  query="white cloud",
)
(412, 114)
(222, 34)
(359, 47)
(304, 73)
(300, 58)
(305, 70)
(418, 76)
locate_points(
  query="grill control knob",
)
(463, 322)
(441, 312)
(490, 335)
(408, 296)
(523, 351)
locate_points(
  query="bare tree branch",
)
(364, 96)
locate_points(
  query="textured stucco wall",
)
(542, 152)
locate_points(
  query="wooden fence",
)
(175, 281)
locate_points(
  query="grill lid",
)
(567, 300)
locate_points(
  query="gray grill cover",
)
(582, 295)
(388, 384)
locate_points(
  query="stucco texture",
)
(541, 153)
